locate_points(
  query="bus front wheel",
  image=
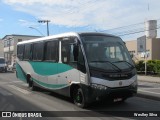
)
(78, 98)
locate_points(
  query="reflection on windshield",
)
(117, 68)
(105, 48)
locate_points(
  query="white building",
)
(1, 49)
(10, 45)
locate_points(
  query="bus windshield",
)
(106, 53)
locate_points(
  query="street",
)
(16, 96)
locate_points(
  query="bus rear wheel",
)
(78, 98)
(33, 87)
(31, 84)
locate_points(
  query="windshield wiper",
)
(108, 62)
(125, 62)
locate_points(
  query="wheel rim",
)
(78, 98)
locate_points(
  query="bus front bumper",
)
(92, 93)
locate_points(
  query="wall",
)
(156, 48)
(1, 49)
(152, 47)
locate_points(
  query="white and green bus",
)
(83, 66)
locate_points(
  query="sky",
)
(17, 16)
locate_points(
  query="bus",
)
(85, 66)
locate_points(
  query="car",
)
(3, 65)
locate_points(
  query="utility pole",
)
(45, 21)
(145, 55)
(9, 51)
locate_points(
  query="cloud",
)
(99, 14)
(27, 23)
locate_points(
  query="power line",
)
(122, 27)
(139, 31)
(126, 27)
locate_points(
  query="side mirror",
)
(76, 42)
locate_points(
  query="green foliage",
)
(140, 66)
(152, 66)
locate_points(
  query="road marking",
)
(24, 84)
(2, 82)
(5, 93)
(17, 81)
(148, 92)
(151, 88)
(19, 89)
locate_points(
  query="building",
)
(10, 45)
(152, 49)
(1, 49)
(146, 46)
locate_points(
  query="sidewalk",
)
(148, 79)
(149, 93)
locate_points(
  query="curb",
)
(140, 94)
(149, 81)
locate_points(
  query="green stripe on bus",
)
(49, 68)
(20, 73)
(49, 85)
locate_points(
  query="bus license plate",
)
(117, 99)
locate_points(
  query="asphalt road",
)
(149, 90)
(16, 96)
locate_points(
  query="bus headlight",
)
(100, 87)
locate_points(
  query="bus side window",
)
(72, 55)
(51, 51)
(69, 52)
(38, 50)
(65, 52)
(20, 51)
(81, 61)
(27, 52)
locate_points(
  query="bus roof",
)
(63, 35)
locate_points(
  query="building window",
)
(11, 42)
(5, 43)
(19, 40)
(132, 52)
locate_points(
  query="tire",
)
(29, 83)
(33, 88)
(78, 98)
